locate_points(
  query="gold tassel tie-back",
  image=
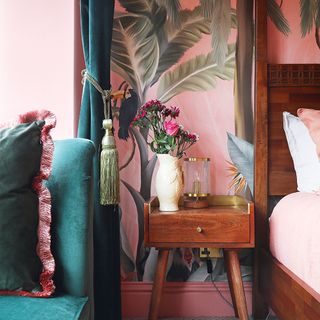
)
(109, 168)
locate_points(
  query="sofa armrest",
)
(70, 185)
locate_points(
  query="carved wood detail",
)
(293, 75)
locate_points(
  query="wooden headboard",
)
(290, 86)
(278, 88)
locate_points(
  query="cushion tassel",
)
(109, 168)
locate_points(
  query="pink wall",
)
(181, 299)
(79, 65)
(36, 59)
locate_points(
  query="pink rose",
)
(171, 127)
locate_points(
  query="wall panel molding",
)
(185, 299)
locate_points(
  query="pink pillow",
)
(311, 119)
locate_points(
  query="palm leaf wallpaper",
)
(308, 12)
(183, 53)
(197, 74)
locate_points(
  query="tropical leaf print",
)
(219, 14)
(310, 17)
(139, 202)
(173, 10)
(193, 26)
(207, 7)
(134, 52)
(197, 74)
(317, 16)
(149, 39)
(241, 154)
(276, 15)
(307, 10)
(156, 14)
(147, 166)
(137, 6)
(234, 20)
(238, 181)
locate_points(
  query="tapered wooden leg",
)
(235, 282)
(231, 289)
(158, 284)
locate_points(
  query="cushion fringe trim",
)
(44, 237)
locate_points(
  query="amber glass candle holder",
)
(196, 182)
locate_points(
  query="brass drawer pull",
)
(199, 229)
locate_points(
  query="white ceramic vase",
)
(169, 182)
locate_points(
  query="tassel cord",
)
(109, 158)
(105, 94)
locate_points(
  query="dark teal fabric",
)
(96, 23)
(20, 155)
(57, 308)
(70, 185)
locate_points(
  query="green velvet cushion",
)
(58, 308)
(26, 150)
(20, 152)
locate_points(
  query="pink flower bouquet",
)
(167, 136)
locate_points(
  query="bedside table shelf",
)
(227, 223)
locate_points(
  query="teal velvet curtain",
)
(96, 28)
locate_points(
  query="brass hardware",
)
(195, 159)
(236, 201)
(197, 195)
(199, 229)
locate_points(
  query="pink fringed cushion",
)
(311, 119)
(26, 150)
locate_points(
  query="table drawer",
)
(196, 228)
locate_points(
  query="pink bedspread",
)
(295, 236)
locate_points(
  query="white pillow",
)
(303, 152)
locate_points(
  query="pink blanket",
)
(295, 236)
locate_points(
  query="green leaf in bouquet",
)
(152, 145)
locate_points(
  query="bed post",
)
(260, 308)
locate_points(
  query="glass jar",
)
(196, 181)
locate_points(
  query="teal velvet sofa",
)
(71, 240)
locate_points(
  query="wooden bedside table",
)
(227, 223)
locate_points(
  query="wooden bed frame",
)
(278, 88)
